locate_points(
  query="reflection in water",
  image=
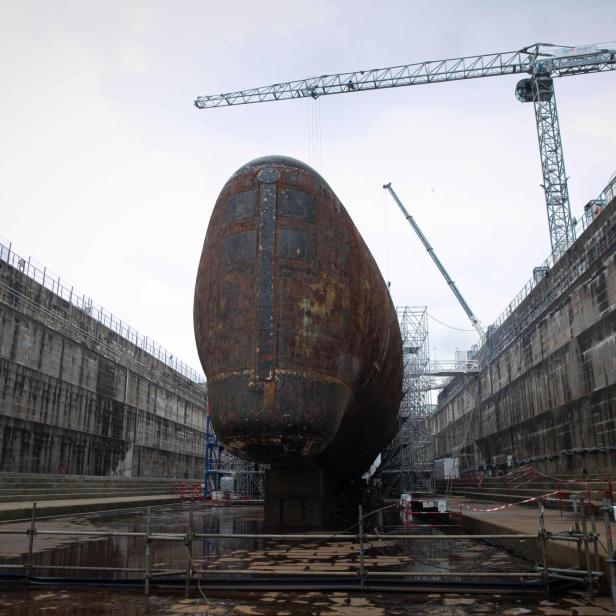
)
(129, 552)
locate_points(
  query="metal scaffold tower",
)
(406, 464)
(248, 477)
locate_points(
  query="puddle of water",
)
(129, 552)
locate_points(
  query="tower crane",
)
(541, 61)
(452, 285)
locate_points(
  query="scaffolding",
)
(406, 464)
(248, 477)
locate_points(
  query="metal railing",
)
(505, 333)
(193, 573)
(606, 195)
(40, 274)
(452, 367)
(588, 571)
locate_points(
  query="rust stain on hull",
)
(294, 325)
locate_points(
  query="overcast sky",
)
(108, 173)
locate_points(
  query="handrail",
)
(606, 195)
(194, 571)
(40, 274)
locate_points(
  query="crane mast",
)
(562, 229)
(452, 285)
(539, 89)
(541, 61)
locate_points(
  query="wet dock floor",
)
(257, 554)
(106, 603)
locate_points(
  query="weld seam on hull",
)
(265, 282)
(317, 376)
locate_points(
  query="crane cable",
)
(315, 134)
(459, 329)
(319, 135)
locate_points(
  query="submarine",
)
(297, 335)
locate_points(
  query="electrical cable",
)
(198, 578)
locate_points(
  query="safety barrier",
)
(587, 573)
(595, 490)
(415, 510)
(40, 274)
(188, 491)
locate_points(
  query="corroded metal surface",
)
(294, 325)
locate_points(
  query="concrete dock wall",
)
(77, 398)
(546, 390)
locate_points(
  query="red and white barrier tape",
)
(501, 507)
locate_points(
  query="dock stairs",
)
(524, 484)
(28, 487)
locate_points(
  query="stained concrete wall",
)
(77, 398)
(546, 391)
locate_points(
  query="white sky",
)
(108, 174)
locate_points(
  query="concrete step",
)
(108, 485)
(76, 479)
(36, 487)
(527, 490)
(64, 490)
(541, 480)
(83, 489)
(18, 498)
(529, 486)
(86, 486)
(561, 477)
(548, 487)
(64, 477)
(552, 501)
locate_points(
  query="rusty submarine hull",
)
(295, 326)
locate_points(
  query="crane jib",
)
(559, 61)
(542, 61)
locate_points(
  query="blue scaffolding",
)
(248, 476)
(211, 479)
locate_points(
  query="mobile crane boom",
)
(452, 285)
